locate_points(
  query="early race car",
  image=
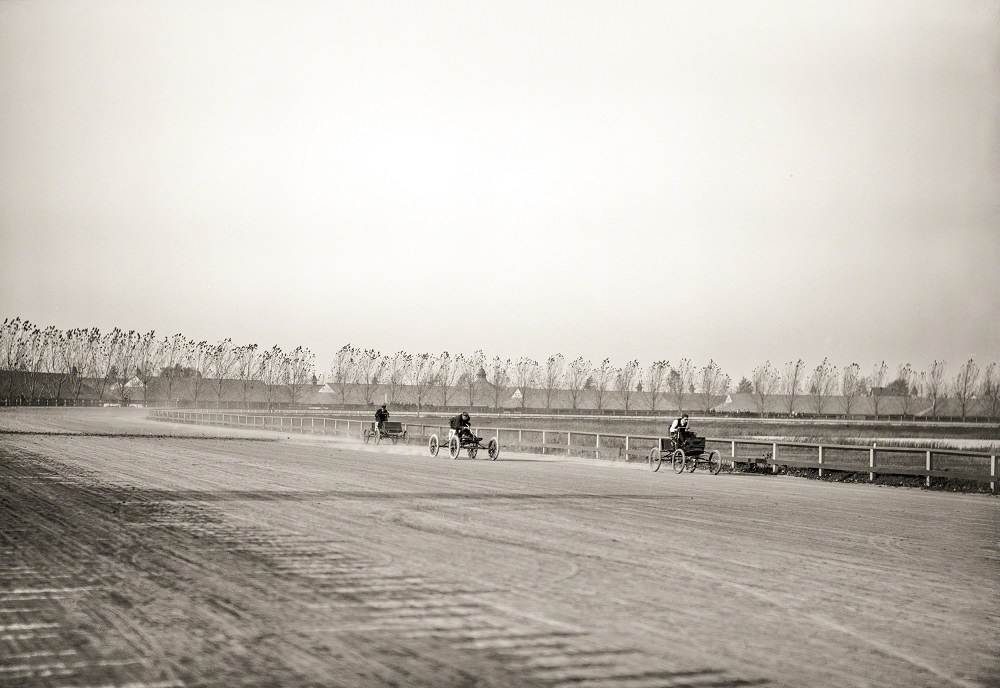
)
(468, 440)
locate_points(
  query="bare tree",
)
(625, 379)
(397, 374)
(147, 361)
(124, 361)
(712, 383)
(791, 383)
(274, 373)
(424, 375)
(876, 385)
(221, 361)
(680, 382)
(576, 379)
(850, 386)
(656, 380)
(552, 377)
(301, 373)
(765, 380)
(16, 333)
(59, 375)
(105, 358)
(602, 377)
(525, 376)
(449, 370)
(343, 370)
(499, 378)
(905, 376)
(33, 366)
(989, 392)
(965, 385)
(473, 369)
(370, 368)
(935, 386)
(822, 384)
(175, 353)
(200, 359)
(247, 363)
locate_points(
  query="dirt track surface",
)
(212, 558)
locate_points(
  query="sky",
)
(742, 181)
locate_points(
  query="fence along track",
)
(949, 464)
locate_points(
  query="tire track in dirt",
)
(394, 517)
(374, 599)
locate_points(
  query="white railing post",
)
(569, 444)
(597, 446)
(928, 468)
(821, 460)
(543, 443)
(871, 464)
(774, 457)
(626, 447)
(993, 473)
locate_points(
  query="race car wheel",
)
(678, 459)
(367, 434)
(473, 450)
(378, 436)
(655, 459)
(454, 447)
(493, 449)
(714, 462)
(433, 445)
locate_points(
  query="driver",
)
(460, 425)
(381, 416)
(679, 430)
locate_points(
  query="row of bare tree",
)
(55, 364)
(59, 364)
(825, 382)
(556, 382)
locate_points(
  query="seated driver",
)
(679, 430)
(381, 416)
(460, 425)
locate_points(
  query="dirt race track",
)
(217, 558)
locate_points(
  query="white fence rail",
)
(950, 464)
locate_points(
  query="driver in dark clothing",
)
(460, 425)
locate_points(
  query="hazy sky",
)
(736, 181)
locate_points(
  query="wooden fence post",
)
(821, 460)
(928, 468)
(993, 473)
(871, 464)
(626, 447)
(774, 457)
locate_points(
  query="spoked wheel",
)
(433, 445)
(395, 438)
(714, 462)
(655, 458)
(378, 436)
(678, 459)
(473, 450)
(691, 463)
(493, 449)
(454, 447)
(367, 434)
